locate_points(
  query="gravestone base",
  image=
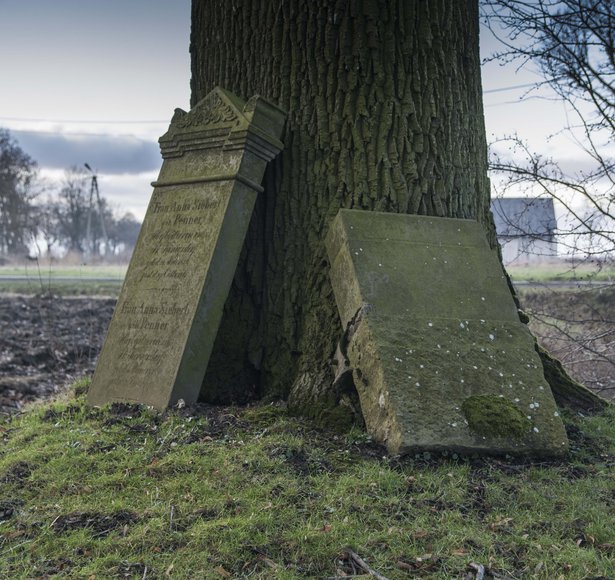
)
(440, 359)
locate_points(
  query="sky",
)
(92, 81)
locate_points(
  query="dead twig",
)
(352, 555)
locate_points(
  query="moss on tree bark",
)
(384, 113)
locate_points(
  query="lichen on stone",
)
(498, 417)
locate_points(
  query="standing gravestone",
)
(167, 316)
(438, 354)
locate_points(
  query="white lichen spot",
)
(556, 414)
(491, 337)
(381, 401)
(360, 249)
(454, 424)
(380, 265)
(541, 388)
(462, 381)
(531, 405)
(529, 417)
(430, 324)
(501, 374)
(397, 359)
(536, 430)
(422, 366)
(418, 384)
(438, 346)
(517, 400)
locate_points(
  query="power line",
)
(165, 121)
(85, 121)
(510, 88)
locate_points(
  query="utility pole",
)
(89, 236)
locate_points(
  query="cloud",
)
(120, 154)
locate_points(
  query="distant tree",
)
(122, 233)
(571, 44)
(47, 224)
(70, 210)
(17, 173)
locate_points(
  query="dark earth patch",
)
(17, 473)
(46, 343)
(101, 524)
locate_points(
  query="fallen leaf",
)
(169, 570)
(460, 552)
(418, 534)
(224, 573)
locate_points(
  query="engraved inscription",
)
(154, 312)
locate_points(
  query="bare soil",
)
(46, 342)
(578, 327)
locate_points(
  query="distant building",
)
(525, 228)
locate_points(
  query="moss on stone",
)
(491, 416)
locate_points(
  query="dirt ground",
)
(578, 327)
(47, 342)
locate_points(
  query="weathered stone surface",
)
(439, 356)
(168, 312)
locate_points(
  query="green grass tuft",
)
(250, 492)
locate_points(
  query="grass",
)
(48, 279)
(45, 272)
(563, 272)
(254, 493)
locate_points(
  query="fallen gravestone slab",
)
(440, 359)
(167, 316)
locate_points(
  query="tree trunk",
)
(384, 113)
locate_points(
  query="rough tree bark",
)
(384, 113)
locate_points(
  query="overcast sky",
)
(97, 82)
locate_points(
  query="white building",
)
(525, 228)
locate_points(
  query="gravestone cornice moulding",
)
(223, 120)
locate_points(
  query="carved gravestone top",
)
(439, 356)
(169, 309)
